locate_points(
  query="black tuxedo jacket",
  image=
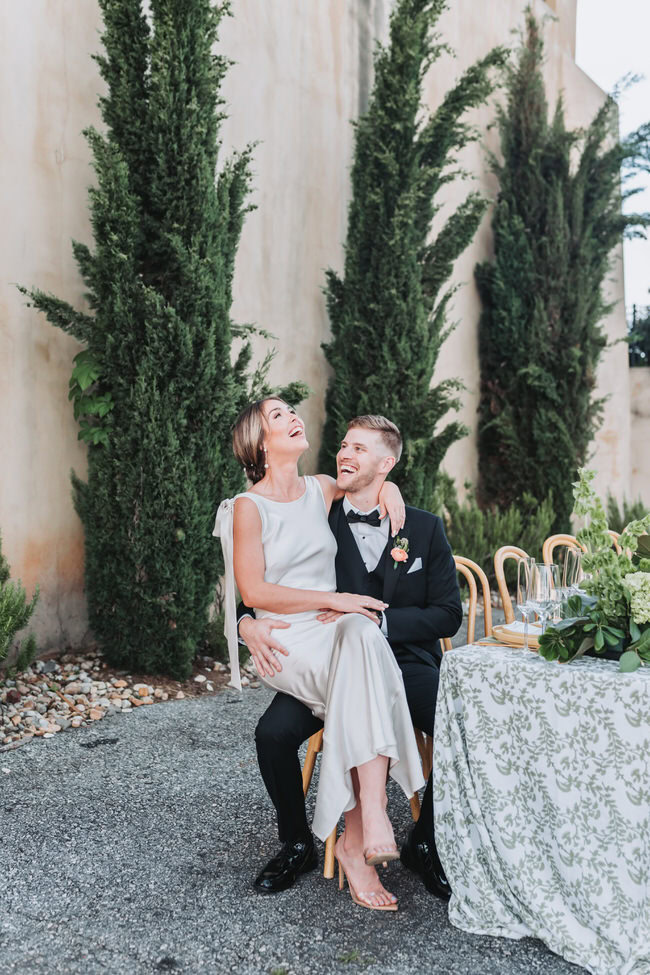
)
(423, 603)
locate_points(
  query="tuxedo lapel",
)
(392, 575)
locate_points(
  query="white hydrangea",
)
(639, 585)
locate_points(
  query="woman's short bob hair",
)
(248, 438)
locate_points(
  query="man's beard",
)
(359, 482)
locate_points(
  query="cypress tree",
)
(154, 386)
(541, 332)
(387, 317)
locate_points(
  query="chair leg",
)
(328, 866)
(313, 748)
(415, 807)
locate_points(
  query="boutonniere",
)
(400, 550)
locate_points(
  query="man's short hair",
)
(390, 434)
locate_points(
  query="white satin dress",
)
(345, 672)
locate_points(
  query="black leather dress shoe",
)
(284, 869)
(422, 857)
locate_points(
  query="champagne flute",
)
(572, 571)
(523, 593)
(542, 590)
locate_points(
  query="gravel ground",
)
(131, 847)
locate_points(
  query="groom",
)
(423, 606)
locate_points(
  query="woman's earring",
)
(266, 465)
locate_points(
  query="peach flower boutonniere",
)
(399, 553)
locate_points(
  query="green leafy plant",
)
(620, 516)
(613, 616)
(477, 533)
(15, 614)
(388, 309)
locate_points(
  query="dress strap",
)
(223, 530)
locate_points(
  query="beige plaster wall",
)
(302, 71)
(640, 433)
(49, 87)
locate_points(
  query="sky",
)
(613, 39)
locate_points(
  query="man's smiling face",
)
(362, 458)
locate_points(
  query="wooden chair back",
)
(615, 537)
(556, 541)
(500, 557)
(468, 570)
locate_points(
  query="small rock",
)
(245, 682)
(13, 696)
(74, 687)
(180, 696)
(143, 690)
(209, 686)
(62, 723)
(48, 734)
(146, 700)
(255, 683)
(158, 692)
(200, 679)
(164, 696)
(135, 701)
(119, 683)
(95, 714)
(76, 722)
(49, 667)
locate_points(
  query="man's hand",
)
(331, 616)
(257, 636)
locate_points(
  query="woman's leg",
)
(349, 850)
(377, 830)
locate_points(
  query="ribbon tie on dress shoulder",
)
(223, 530)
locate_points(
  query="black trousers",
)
(287, 722)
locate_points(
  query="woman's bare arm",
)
(249, 568)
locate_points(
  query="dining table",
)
(541, 783)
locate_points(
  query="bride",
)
(283, 556)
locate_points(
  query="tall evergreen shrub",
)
(387, 313)
(556, 222)
(154, 386)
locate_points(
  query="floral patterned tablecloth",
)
(542, 803)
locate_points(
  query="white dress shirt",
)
(371, 542)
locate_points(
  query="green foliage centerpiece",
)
(612, 614)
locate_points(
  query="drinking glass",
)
(544, 590)
(571, 571)
(523, 593)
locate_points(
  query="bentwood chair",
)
(500, 557)
(467, 569)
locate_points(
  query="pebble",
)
(64, 693)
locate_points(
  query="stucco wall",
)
(640, 433)
(302, 71)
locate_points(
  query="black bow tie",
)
(371, 519)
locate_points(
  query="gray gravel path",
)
(130, 847)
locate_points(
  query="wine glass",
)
(523, 593)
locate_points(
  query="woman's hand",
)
(348, 602)
(391, 502)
